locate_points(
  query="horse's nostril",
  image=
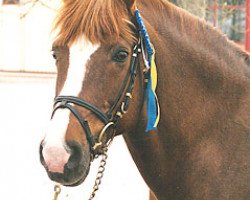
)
(76, 155)
(67, 163)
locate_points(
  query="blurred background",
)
(27, 79)
(231, 16)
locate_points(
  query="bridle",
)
(120, 105)
(110, 118)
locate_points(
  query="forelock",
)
(98, 20)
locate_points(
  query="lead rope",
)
(98, 180)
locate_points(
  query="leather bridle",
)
(110, 118)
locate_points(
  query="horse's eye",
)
(54, 55)
(120, 56)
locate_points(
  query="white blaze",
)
(79, 54)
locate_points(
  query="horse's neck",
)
(202, 81)
(185, 35)
(200, 71)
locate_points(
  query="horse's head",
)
(96, 59)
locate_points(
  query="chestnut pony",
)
(200, 149)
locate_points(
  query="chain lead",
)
(57, 191)
(100, 172)
(98, 180)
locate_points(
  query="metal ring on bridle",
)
(99, 141)
(122, 108)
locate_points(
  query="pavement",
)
(25, 108)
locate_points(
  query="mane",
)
(97, 20)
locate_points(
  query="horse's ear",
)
(130, 5)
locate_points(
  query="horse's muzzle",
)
(68, 170)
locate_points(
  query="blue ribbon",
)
(153, 110)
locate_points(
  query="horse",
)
(200, 148)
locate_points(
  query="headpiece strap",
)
(153, 108)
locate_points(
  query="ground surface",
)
(25, 108)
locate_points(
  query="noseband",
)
(110, 118)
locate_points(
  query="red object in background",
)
(247, 31)
(12, 2)
(215, 7)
